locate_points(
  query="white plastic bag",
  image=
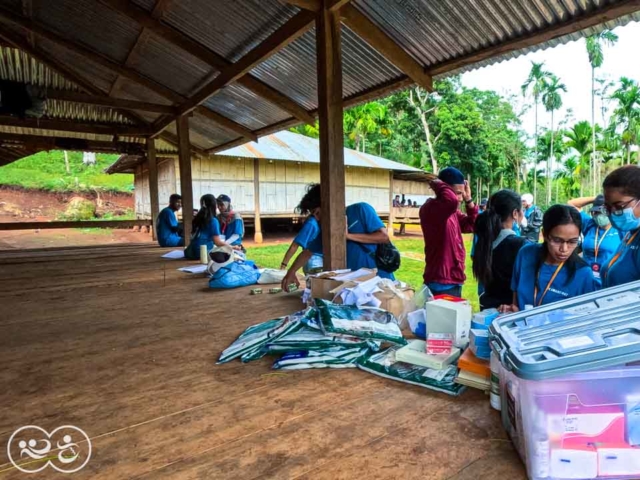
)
(271, 275)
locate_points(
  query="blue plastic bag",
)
(236, 274)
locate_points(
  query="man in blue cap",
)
(442, 225)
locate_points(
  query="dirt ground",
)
(19, 205)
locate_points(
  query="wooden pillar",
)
(153, 185)
(257, 237)
(186, 184)
(331, 138)
(390, 231)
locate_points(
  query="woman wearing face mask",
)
(551, 271)
(497, 247)
(601, 240)
(622, 201)
(309, 205)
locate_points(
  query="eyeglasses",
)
(558, 242)
(618, 209)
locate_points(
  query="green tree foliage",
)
(625, 120)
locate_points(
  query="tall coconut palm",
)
(552, 101)
(536, 84)
(626, 115)
(595, 44)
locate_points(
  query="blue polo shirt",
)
(204, 236)
(235, 227)
(608, 241)
(627, 266)
(524, 279)
(309, 232)
(361, 218)
(165, 229)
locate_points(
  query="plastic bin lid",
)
(596, 330)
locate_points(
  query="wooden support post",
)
(390, 231)
(256, 201)
(331, 138)
(153, 184)
(186, 184)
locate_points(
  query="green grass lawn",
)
(410, 271)
(46, 171)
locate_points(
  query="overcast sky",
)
(571, 64)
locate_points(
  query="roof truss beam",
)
(385, 45)
(279, 39)
(68, 126)
(179, 39)
(116, 67)
(103, 101)
(66, 143)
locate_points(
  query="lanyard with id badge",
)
(623, 247)
(596, 266)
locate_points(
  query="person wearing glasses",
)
(622, 202)
(551, 271)
(600, 239)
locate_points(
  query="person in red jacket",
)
(442, 225)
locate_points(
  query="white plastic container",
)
(580, 426)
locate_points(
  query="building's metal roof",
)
(435, 33)
(290, 147)
(294, 147)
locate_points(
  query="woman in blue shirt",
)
(231, 223)
(308, 233)
(600, 239)
(365, 231)
(622, 201)
(551, 271)
(206, 228)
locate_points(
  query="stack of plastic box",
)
(570, 389)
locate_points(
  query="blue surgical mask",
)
(627, 220)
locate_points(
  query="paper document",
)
(194, 269)
(346, 277)
(174, 254)
(232, 239)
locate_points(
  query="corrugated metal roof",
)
(158, 59)
(432, 31)
(230, 28)
(436, 31)
(245, 107)
(90, 23)
(291, 146)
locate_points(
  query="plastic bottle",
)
(204, 255)
(540, 464)
(494, 395)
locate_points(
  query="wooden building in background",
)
(268, 178)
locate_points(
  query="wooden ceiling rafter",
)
(283, 36)
(385, 46)
(72, 126)
(203, 53)
(112, 65)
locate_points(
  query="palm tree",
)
(363, 120)
(552, 100)
(536, 82)
(626, 115)
(595, 52)
(579, 139)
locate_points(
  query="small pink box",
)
(439, 343)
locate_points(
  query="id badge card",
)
(595, 268)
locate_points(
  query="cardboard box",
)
(323, 283)
(394, 304)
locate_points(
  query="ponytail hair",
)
(488, 226)
(206, 213)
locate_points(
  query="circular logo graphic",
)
(66, 449)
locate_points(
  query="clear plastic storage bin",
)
(581, 426)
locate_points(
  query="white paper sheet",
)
(352, 275)
(174, 254)
(194, 269)
(232, 239)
